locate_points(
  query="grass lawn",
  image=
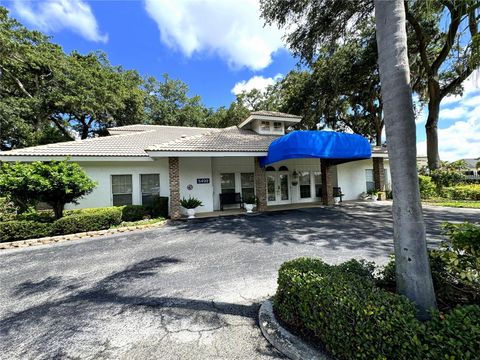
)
(140, 222)
(453, 203)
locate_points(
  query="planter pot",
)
(191, 213)
(374, 197)
(249, 208)
(336, 199)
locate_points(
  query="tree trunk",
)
(414, 279)
(431, 128)
(58, 210)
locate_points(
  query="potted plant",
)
(250, 203)
(373, 194)
(191, 204)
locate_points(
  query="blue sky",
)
(218, 47)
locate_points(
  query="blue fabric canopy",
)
(338, 147)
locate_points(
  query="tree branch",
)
(422, 47)
(17, 80)
(455, 17)
(447, 89)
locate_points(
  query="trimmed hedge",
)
(100, 219)
(462, 192)
(428, 188)
(342, 308)
(134, 212)
(22, 230)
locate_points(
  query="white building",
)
(138, 161)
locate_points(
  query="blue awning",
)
(338, 147)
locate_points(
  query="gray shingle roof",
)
(230, 139)
(131, 142)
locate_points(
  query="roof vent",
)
(183, 136)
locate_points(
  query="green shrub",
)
(159, 207)
(346, 311)
(190, 203)
(454, 335)
(342, 307)
(38, 216)
(427, 187)
(21, 230)
(8, 210)
(134, 212)
(100, 219)
(462, 192)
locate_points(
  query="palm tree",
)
(414, 279)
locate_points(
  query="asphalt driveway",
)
(190, 290)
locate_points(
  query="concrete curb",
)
(288, 344)
(77, 236)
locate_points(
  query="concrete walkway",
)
(190, 290)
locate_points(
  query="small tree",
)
(57, 183)
(18, 183)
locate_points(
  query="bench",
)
(230, 199)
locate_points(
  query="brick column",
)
(378, 174)
(260, 186)
(174, 179)
(327, 185)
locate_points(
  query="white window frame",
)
(111, 188)
(140, 184)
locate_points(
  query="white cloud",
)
(453, 113)
(255, 82)
(460, 140)
(471, 86)
(55, 15)
(231, 29)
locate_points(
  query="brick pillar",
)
(378, 174)
(327, 185)
(260, 186)
(174, 178)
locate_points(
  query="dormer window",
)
(277, 126)
(265, 126)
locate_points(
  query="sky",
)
(217, 47)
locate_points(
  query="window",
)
(122, 189)
(283, 168)
(265, 126)
(277, 126)
(370, 185)
(248, 185)
(269, 168)
(150, 184)
(228, 182)
(318, 183)
(305, 190)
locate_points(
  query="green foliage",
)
(444, 177)
(342, 308)
(462, 192)
(350, 316)
(38, 216)
(427, 187)
(159, 207)
(134, 212)
(92, 220)
(56, 183)
(8, 211)
(190, 203)
(22, 229)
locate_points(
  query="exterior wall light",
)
(294, 178)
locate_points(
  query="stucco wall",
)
(192, 169)
(351, 177)
(101, 172)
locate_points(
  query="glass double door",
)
(278, 188)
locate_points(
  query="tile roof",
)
(231, 139)
(275, 114)
(132, 141)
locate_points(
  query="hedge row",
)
(462, 192)
(41, 224)
(354, 319)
